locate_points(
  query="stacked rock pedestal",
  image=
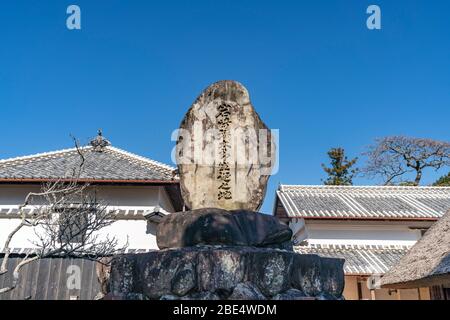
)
(223, 248)
(210, 254)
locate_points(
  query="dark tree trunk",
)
(418, 177)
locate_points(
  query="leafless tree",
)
(394, 158)
(65, 217)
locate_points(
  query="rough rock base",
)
(218, 227)
(226, 273)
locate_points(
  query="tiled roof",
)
(364, 202)
(359, 259)
(109, 164)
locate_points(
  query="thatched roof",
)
(427, 263)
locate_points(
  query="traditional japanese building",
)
(372, 228)
(138, 190)
(427, 264)
(135, 188)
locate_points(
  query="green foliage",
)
(443, 181)
(340, 173)
(407, 184)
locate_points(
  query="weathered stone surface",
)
(125, 296)
(271, 271)
(169, 297)
(246, 291)
(225, 153)
(122, 273)
(207, 272)
(332, 275)
(313, 275)
(291, 294)
(306, 274)
(220, 270)
(206, 295)
(163, 268)
(184, 280)
(195, 296)
(222, 227)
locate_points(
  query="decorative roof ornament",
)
(99, 142)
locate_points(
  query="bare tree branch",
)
(395, 157)
(66, 218)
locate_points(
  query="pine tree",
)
(443, 181)
(340, 173)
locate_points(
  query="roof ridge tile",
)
(141, 158)
(38, 155)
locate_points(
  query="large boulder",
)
(222, 227)
(225, 153)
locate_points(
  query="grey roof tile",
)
(359, 259)
(364, 202)
(109, 164)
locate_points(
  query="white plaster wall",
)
(133, 227)
(21, 239)
(377, 234)
(133, 230)
(134, 196)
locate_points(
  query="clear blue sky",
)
(313, 69)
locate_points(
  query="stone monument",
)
(225, 153)
(222, 248)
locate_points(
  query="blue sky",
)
(313, 69)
